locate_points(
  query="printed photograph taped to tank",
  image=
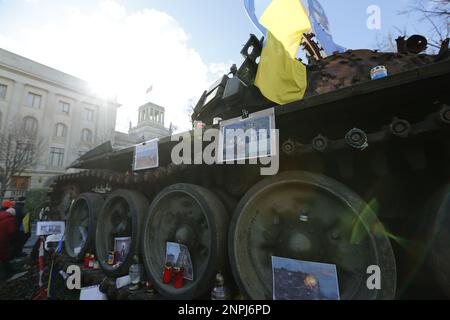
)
(122, 247)
(248, 138)
(44, 228)
(146, 156)
(304, 280)
(178, 255)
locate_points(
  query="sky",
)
(179, 47)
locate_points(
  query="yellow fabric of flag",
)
(26, 223)
(280, 77)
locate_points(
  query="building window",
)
(60, 130)
(34, 100)
(30, 125)
(3, 91)
(27, 152)
(88, 115)
(86, 135)
(56, 157)
(64, 107)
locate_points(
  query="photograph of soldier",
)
(122, 246)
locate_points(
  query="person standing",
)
(122, 253)
(43, 214)
(20, 237)
(8, 228)
(26, 222)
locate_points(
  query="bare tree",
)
(387, 42)
(190, 111)
(436, 14)
(432, 13)
(20, 149)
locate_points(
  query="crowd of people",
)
(15, 230)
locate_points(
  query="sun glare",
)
(104, 89)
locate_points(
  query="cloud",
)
(113, 9)
(123, 51)
(219, 69)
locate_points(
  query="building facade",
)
(56, 106)
(150, 126)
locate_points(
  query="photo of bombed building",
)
(359, 206)
(300, 280)
(296, 284)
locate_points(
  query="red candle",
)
(86, 260)
(167, 276)
(179, 278)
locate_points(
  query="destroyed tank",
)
(363, 181)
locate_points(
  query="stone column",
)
(74, 137)
(13, 112)
(47, 128)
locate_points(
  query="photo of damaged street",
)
(311, 163)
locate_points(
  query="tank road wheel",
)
(81, 224)
(439, 211)
(62, 200)
(192, 216)
(308, 217)
(121, 216)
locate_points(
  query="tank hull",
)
(386, 142)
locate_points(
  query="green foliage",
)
(35, 200)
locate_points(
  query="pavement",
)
(21, 265)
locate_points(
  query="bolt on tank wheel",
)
(313, 218)
(120, 217)
(81, 224)
(192, 216)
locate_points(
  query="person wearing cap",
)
(8, 229)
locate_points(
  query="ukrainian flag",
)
(280, 77)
